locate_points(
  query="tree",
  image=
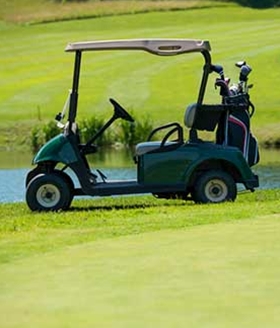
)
(259, 3)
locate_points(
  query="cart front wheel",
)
(48, 192)
(215, 186)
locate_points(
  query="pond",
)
(116, 164)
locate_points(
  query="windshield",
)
(61, 115)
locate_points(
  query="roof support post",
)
(206, 71)
(75, 87)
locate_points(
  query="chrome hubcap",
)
(216, 190)
(48, 195)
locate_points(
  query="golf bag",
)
(235, 130)
(234, 126)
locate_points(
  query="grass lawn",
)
(140, 262)
(137, 261)
(36, 73)
(39, 11)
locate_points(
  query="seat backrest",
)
(190, 115)
(203, 117)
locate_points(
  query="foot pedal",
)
(102, 175)
(92, 178)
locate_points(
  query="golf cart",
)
(173, 167)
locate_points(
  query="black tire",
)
(70, 184)
(32, 174)
(214, 186)
(48, 192)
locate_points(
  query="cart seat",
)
(203, 117)
(172, 129)
(190, 115)
(148, 146)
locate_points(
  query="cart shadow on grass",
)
(131, 206)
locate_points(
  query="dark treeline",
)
(259, 3)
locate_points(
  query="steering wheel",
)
(120, 112)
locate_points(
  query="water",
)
(12, 186)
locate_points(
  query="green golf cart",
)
(173, 167)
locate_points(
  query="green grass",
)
(39, 11)
(141, 262)
(36, 73)
(89, 220)
(136, 261)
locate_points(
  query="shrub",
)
(50, 130)
(89, 127)
(37, 139)
(131, 134)
(126, 133)
(40, 134)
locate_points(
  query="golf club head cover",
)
(224, 89)
(244, 72)
(219, 70)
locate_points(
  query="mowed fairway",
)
(36, 73)
(134, 262)
(219, 275)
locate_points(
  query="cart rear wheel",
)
(48, 192)
(215, 186)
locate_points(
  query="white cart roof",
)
(162, 47)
